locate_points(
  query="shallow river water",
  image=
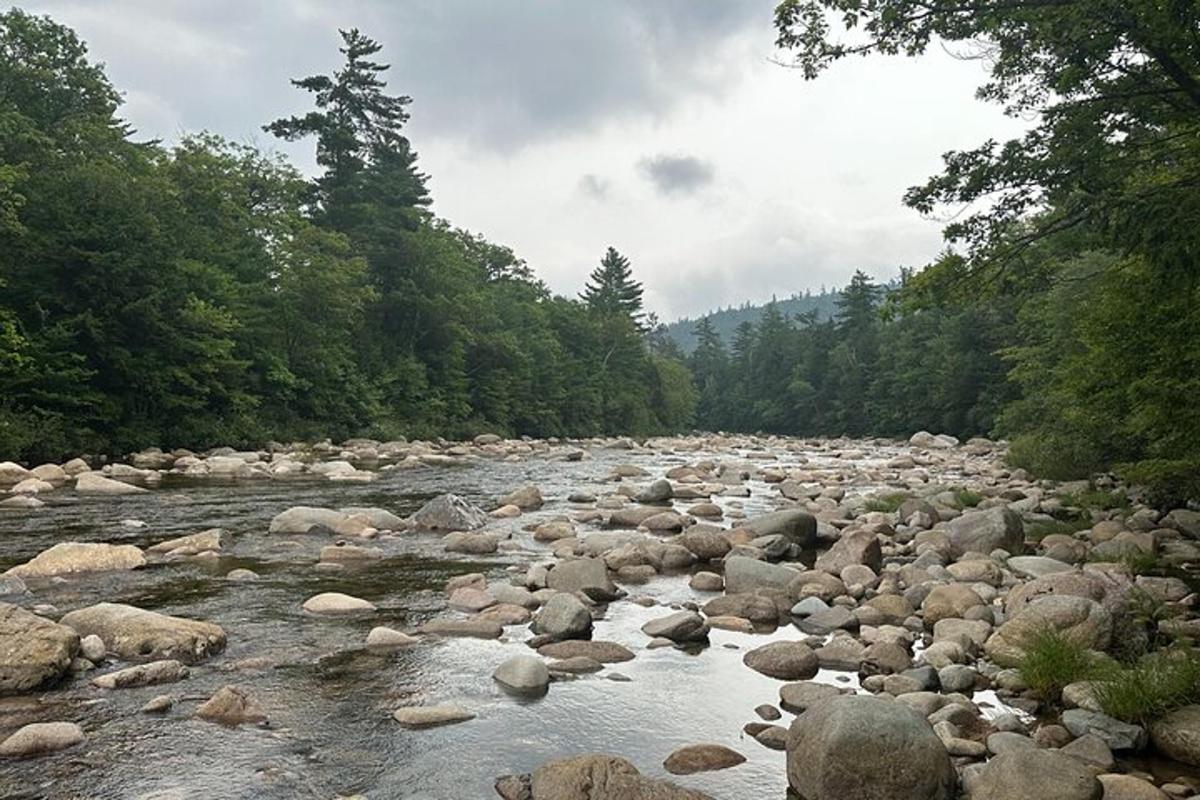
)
(329, 700)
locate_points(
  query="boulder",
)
(41, 737)
(232, 706)
(680, 627)
(1037, 566)
(1177, 735)
(166, 671)
(384, 638)
(705, 542)
(657, 492)
(867, 748)
(135, 634)
(95, 483)
(758, 608)
(998, 528)
(601, 777)
(563, 616)
(1083, 620)
(306, 519)
(787, 661)
(1032, 774)
(586, 575)
(418, 717)
(527, 498)
(950, 601)
(798, 526)
(336, 604)
(1116, 734)
(34, 651)
(695, 758)
(470, 543)
(12, 474)
(71, 558)
(449, 512)
(523, 675)
(743, 574)
(854, 547)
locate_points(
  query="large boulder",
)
(601, 777)
(707, 543)
(563, 616)
(1177, 735)
(67, 558)
(744, 574)
(1109, 590)
(41, 737)
(308, 519)
(95, 483)
(449, 512)
(796, 525)
(997, 528)
(1084, 621)
(1033, 774)
(12, 474)
(34, 651)
(587, 575)
(523, 675)
(867, 748)
(135, 634)
(787, 661)
(527, 498)
(855, 547)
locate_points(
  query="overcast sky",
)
(560, 127)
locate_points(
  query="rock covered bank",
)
(887, 591)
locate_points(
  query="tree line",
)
(209, 294)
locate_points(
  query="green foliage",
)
(1054, 455)
(1096, 499)
(1158, 683)
(965, 498)
(210, 294)
(1168, 483)
(1052, 660)
(1040, 530)
(887, 503)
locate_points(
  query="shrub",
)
(1040, 530)
(887, 503)
(1052, 660)
(1057, 456)
(1157, 684)
(1168, 483)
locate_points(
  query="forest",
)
(208, 293)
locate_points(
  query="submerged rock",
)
(431, 716)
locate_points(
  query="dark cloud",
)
(498, 74)
(594, 186)
(676, 174)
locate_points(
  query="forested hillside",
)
(725, 321)
(208, 294)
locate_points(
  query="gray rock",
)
(336, 604)
(998, 528)
(41, 737)
(601, 777)
(586, 575)
(523, 675)
(418, 717)
(563, 616)
(1037, 566)
(232, 706)
(1032, 774)
(799, 526)
(694, 758)
(449, 512)
(744, 574)
(72, 558)
(834, 753)
(656, 492)
(1177, 735)
(1116, 734)
(166, 671)
(859, 547)
(787, 661)
(1084, 620)
(604, 652)
(34, 651)
(135, 634)
(680, 627)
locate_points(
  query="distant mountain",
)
(726, 320)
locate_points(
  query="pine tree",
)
(612, 291)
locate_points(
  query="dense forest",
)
(208, 293)
(725, 321)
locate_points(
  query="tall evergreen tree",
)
(611, 289)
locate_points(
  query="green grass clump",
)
(1096, 499)
(1158, 683)
(888, 503)
(1040, 530)
(1052, 660)
(965, 498)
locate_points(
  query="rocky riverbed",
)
(722, 617)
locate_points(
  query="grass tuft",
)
(965, 498)
(1053, 660)
(1158, 683)
(888, 503)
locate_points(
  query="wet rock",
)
(95, 483)
(604, 652)
(600, 777)
(470, 543)
(41, 737)
(34, 652)
(773, 737)
(349, 554)
(471, 599)
(384, 638)
(523, 675)
(997, 528)
(799, 527)
(193, 544)
(586, 575)
(241, 575)
(306, 519)
(135, 634)
(1177, 735)
(1036, 775)
(563, 616)
(514, 787)
(231, 705)
(527, 498)
(576, 665)
(449, 512)
(92, 648)
(472, 628)
(418, 717)
(1116, 734)
(632, 517)
(69, 558)
(680, 627)
(506, 614)
(833, 753)
(336, 604)
(744, 574)
(158, 705)
(554, 530)
(166, 671)
(787, 661)
(695, 758)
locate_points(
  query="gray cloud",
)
(594, 186)
(676, 174)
